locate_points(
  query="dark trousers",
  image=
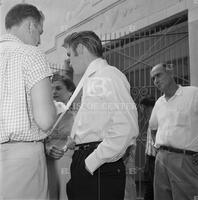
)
(149, 177)
(107, 182)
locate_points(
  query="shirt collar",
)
(95, 65)
(178, 92)
(9, 37)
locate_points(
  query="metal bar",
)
(152, 35)
(154, 54)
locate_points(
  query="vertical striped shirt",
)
(21, 67)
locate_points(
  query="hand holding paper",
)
(70, 144)
(54, 152)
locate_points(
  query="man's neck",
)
(171, 91)
(14, 31)
(90, 59)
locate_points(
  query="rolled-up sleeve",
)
(37, 69)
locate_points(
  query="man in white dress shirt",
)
(105, 125)
(175, 117)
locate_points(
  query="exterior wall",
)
(193, 41)
(119, 18)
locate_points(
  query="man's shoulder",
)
(14, 45)
(112, 73)
(25, 50)
(159, 100)
(189, 90)
(31, 51)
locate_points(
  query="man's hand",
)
(153, 134)
(70, 144)
(55, 152)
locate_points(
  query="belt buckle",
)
(184, 151)
(76, 148)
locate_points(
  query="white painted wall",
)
(193, 40)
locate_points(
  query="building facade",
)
(115, 19)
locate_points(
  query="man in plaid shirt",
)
(27, 110)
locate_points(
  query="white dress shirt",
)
(176, 120)
(107, 113)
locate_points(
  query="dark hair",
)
(69, 84)
(88, 39)
(20, 12)
(148, 101)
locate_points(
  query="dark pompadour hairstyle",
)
(20, 12)
(88, 39)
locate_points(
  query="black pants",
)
(107, 183)
(149, 177)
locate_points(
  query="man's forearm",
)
(153, 134)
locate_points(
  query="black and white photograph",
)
(98, 99)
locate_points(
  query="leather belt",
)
(85, 146)
(16, 141)
(175, 150)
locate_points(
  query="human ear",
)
(31, 27)
(25, 25)
(80, 49)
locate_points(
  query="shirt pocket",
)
(179, 118)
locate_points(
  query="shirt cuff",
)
(92, 162)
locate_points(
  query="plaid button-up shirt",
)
(21, 67)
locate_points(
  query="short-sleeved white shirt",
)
(176, 120)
